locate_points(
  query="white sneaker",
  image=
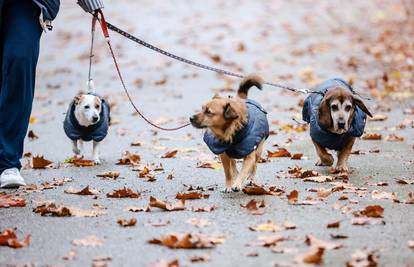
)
(11, 178)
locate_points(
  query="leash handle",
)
(105, 32)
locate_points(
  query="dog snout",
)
(341, 124)
(95, 118)
(193, 118)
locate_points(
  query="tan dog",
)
(335, 122)
(236, 128)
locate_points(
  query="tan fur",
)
(224, 117)
(325, 120)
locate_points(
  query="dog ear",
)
(216, 96)
(325, 118)
(230, 112)
(358, 102)
(77, 99)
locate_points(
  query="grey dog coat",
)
(310, 114)
(246, 139)
(96, 132)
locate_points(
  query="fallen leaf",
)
(338, 236)
(372, 136)
(404, 181)
(256, 190)
(170, 154)
(109, 174)
(204, 209)
(180, 205)
(394, 138)
(268, 241)
(253, 207)
(164, 263)
(7, 201)
(39, 162)
(8, 238)
(314, 242)
(314, 256)
(126, 222)
(363, 258)
(293, 197)
(191, 195)
(297, 156)
(376, 194)
(282, 152)
(375, 211)
(333, 225)
(123, 193)
(32, 136)
(200, 258)
(52, 209)
(367, 221)
(83, 192)
(209, 165)
(319, 179)
(129, 158)
(268, 226)
(82, 162)
(138, 209)
(187, 241)
(88, 241)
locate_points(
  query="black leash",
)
(196, 64)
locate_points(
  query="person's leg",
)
(20, 36)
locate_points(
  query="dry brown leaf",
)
(83, 192)
(375, 211)
(7, 201)
(268, 241)
(209, 165)
(314, 256)
(372, 136)
(394, 138)
(363, 258)
(297, 156)
(126, 222)
(129, 158)
(376, 194)
(204, 209)
(180, 205)
(324, 193)
(256, 190)
(298, 172)
(404, 181)
(123, 193)
(170, 154)
(39, 162)
(198, 222)
(333, 225)
(200, 258)
(32, 136)
(268, 226)
(52, 209)
(138, 209)
(282, 152)
(293, 197)
(82, 162)
(9, 238)
(191, 195)
(109, 174)
(319, 179)
(187, 241)
(253, 207)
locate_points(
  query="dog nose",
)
(95, 118)
(192, 119)
(341, 125)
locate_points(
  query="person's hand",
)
(90, 5)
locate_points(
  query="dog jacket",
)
(310, 114)
(246, 139)
(96, 132)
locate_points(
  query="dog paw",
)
(341, 168)
(226, 190)
(76, 151)
(325, 162)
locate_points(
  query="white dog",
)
(87, 119)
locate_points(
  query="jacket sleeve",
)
(90, 5)
(49, 8)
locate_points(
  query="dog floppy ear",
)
(77, 99)
(229, 112)
(358, 102)
(325, 118)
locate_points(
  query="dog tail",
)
(91, 86)
(247, 83)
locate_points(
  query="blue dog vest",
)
(310, 114)
(245, 140)
(96, 132)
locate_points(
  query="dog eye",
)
(97, 106)
(87, 107)
(208, 112)
(334, 107)
(348, 108)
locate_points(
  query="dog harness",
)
(246, 139)
(310, 114)
(96, 132)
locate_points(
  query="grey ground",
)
(270, 30)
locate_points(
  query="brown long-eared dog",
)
(336, 113)
(225, 120)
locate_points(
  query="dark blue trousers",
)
(20, 33)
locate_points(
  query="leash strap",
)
(104, 28)
(91, 55)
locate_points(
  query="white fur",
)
(340, 112)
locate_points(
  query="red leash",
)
(105, 32)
